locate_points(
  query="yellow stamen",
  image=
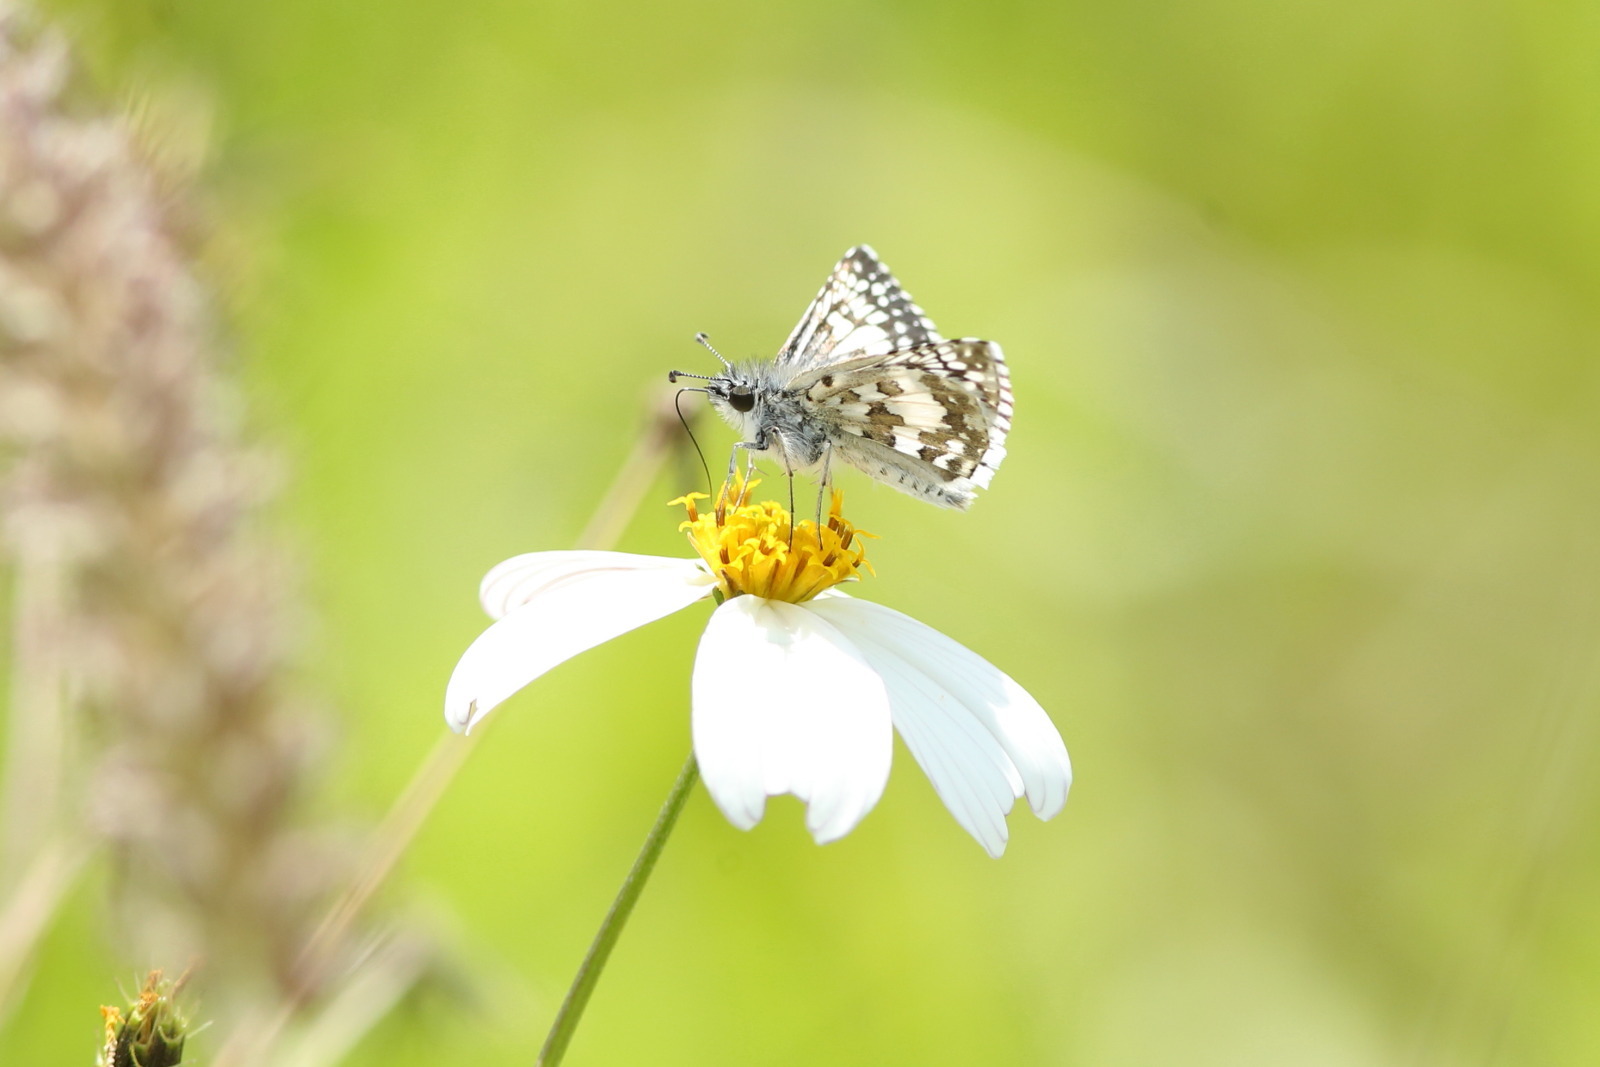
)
(752, 548)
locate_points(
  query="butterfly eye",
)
(741, 398)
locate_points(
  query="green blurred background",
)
(1296, 539)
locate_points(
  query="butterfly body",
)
(865, 379)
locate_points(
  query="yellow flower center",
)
(753, 549)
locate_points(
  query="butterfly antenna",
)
(692, 439)
(703, 339)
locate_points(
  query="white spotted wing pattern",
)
(865, 378)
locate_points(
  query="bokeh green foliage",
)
(1296, 540)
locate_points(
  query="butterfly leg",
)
(822, 484)
(750, 449)
(733, 466)
(749, 472)
(788, 471)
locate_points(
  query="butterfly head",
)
(731, 393)
(733, 397)
(740, 396)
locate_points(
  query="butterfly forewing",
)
(861, 311)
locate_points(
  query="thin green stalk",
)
(588, 976)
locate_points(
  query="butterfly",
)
(866, 379)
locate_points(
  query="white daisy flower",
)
(796, 685)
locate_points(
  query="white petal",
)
(1001, 706)
(971, 773)
(784, 703)
(969, 770)
(520, 579)
(582, 599)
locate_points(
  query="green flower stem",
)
(588, 976)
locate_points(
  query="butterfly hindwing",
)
(946, 405)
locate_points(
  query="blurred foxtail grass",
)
(152, 720)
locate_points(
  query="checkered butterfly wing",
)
(943, 405)
(861, 311)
